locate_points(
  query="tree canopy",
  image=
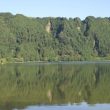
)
(53, 39)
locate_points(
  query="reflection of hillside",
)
(29, 84)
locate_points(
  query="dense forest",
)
(53, 39)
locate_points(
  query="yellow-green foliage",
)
(3, 61)
(53, 39)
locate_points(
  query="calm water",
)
(55, 86)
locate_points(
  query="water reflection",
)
(81, 106)
(35, 84)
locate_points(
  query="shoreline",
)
(60, 62)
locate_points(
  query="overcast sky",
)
(57, 8)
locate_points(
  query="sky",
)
(57, 8)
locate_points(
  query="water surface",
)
(55, 86)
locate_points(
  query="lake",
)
(55, 86)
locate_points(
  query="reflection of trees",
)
(67, 83)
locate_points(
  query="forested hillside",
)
(53, 39)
